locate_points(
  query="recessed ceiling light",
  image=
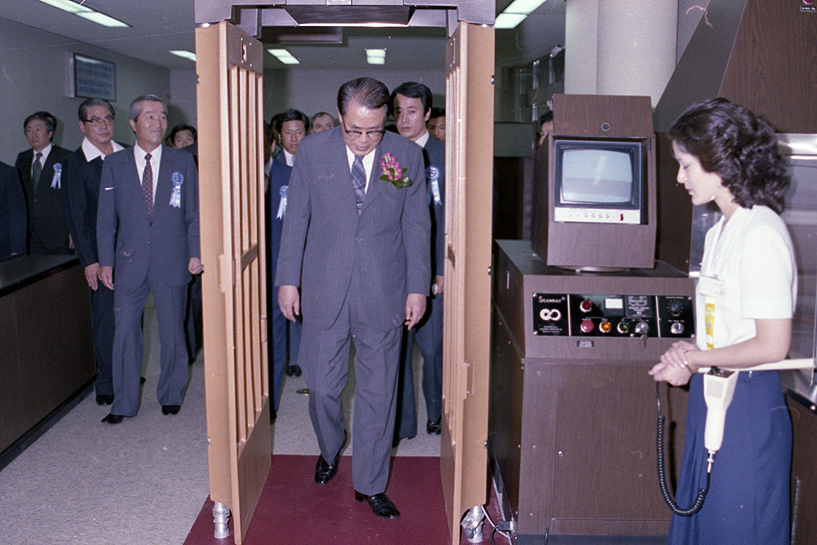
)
(189, 55)
(516, 13)
(85, 12)
(284, 56)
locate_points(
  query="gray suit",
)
(356, 272)
(149, 253)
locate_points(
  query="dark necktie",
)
(147, 184)
(36, 170)
(359, 181)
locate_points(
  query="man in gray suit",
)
(148, 234)
(356, 239)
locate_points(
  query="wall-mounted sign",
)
(94, 78)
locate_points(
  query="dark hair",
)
(183, 127)
(368, 92)
(290, 115)
(545, 117)
(737, 145)
(437, 112)
(411, 89)
(82, 112)
(49, 120)
(321, 114)
(135, 109)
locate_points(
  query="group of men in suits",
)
(355, 261)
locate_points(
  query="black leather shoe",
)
(142, 380)
(294, 371)
(324, 472)
(380, 503)
(434, 427)
(113, 419)
(171, 409)
(103, 399)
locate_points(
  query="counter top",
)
(19, 271)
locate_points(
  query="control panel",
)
(598, 315)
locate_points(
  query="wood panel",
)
(230, 105)
(466, 331)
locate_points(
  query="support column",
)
(620, 47)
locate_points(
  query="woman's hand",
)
(674, 366)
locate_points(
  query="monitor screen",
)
(598, 181)
(597, 176)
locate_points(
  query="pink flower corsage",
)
(393, 172)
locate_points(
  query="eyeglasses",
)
(100, 121)
(357, 134)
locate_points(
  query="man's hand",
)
(195, 266)
(106, 275)
(415, 308)
(92, 275)
(290, 302)
(440, 281)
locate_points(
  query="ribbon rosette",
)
(176, 197)
(56, 182)
(393, 172)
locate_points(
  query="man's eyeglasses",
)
(369, 134)
(100, 121)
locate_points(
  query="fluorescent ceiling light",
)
(509, 20)
(523, 6)
(184, 54)
(376, 56)
(85, 12)
(66, 5)
(516, 13)
(102, 19)
(284, 56)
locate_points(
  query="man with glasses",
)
(40, 171)
(356, 239)
(80, 177)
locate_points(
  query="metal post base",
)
(221, 520)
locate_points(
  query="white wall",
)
(35, 74)
(312, 91)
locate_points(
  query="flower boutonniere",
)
(393, 172)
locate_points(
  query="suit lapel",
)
(163, 183)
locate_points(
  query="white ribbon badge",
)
(433, 175)
(176, 196)
(282, 206)
(55, 182)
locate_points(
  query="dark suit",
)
(149, 253)
(80, 179)
(12, 213)
(277, 325)
(47, 231)
(429, 331)
(357, 272)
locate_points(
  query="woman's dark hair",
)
(737, 145)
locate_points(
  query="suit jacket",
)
(80, 179)
(386, 245)
(434, 156)
(12, 213)
(46, 217)
(130, 240)
(279, 178)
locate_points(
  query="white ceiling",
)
(159, 26)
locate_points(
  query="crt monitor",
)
(598, 181)
(594, 202)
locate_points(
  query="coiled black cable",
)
(662, 476)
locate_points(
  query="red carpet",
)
(293, 510)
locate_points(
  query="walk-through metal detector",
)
(230, 114)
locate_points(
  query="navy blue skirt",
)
(748, 499)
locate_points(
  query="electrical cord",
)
(662, 476)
